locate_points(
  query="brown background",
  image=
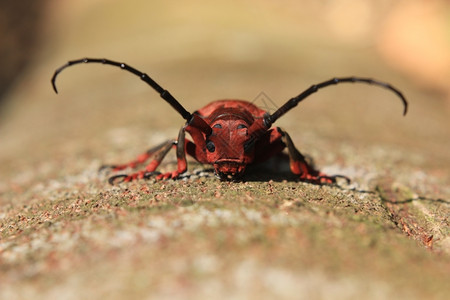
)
(51, 145)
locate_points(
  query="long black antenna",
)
(314, 88)
(162, 92)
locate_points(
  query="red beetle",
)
(228, 134)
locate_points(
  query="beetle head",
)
(228, 147)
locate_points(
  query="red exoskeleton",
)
(227, 134)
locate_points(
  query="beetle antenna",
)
(162, 92)
(314, 88)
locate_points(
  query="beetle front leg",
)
(181, 158)
(303, 169)
(158, 153)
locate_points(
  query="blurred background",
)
(202, 51)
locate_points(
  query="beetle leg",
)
(159, 155)
(181, 157)
(301, 167)
(158, 152)
(124, 178)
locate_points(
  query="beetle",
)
(227, 134)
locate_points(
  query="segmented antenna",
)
(162, 92)
(269, 119)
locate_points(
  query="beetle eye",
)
(210, 146)
(241, 126)
(217, 126)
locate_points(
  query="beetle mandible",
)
(227, 134)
